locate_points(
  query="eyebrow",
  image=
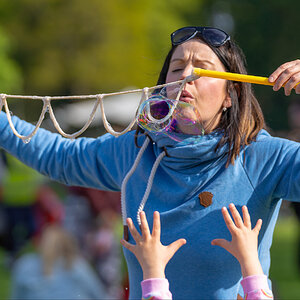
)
(197, 60)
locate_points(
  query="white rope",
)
(79, 132)
(149, 185)
(24, 138)
(99, 101)
(127, 177)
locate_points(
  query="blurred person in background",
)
(56, 271)
(92, 216)
(27, 205)
(79, 217)
(106, 251)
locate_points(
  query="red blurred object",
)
(100, 200)
(48, 208)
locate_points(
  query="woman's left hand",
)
(288, 74)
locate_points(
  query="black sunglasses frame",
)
(203, 32)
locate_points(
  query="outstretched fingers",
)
(127, 245)
(258, 226)
(236, 216)
(173, 248)
(221, 243)
(246, 217)
(136, 236)
(156, 229)
(228, 221)
(144, 225)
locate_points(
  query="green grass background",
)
(284, 271)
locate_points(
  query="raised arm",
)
(84, 161)
(243, 247)
(152, 256)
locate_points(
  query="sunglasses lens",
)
(181, 35)
(214, 37)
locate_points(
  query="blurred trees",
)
(267, 32)
(10, 73)
(75, 46)
(88, 47)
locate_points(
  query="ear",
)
(227, 101)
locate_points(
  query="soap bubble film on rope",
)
(164, 113)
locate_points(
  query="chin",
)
(189, 113)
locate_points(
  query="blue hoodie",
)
(265, 172)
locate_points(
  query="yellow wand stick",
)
(233, 76)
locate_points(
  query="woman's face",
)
(208, 95)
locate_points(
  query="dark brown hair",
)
(241, 122)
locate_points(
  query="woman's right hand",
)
(288, 74)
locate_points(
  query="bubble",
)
(162, 113)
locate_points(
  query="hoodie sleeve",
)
(273, 167)
(98, 163)
(256, 287)
(155, 289)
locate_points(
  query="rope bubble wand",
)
(146, 92)
(197, 72)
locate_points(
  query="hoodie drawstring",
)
(149, 185)
(148, 189)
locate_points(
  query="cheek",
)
(211, 88)
(170, 77)
(173, 76)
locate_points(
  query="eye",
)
(204, 65)
(177, 70)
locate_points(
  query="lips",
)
(186, 96)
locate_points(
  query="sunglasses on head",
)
(212, 36)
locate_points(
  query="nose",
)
(186, 72)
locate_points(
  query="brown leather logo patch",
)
(206, 198)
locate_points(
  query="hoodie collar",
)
(192, 151)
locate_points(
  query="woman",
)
(234, 161)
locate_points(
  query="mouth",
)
(186, 97)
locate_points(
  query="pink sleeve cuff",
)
(256, 287)
(155, 288)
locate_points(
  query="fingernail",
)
(271, 79)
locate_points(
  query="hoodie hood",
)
(193, 151)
